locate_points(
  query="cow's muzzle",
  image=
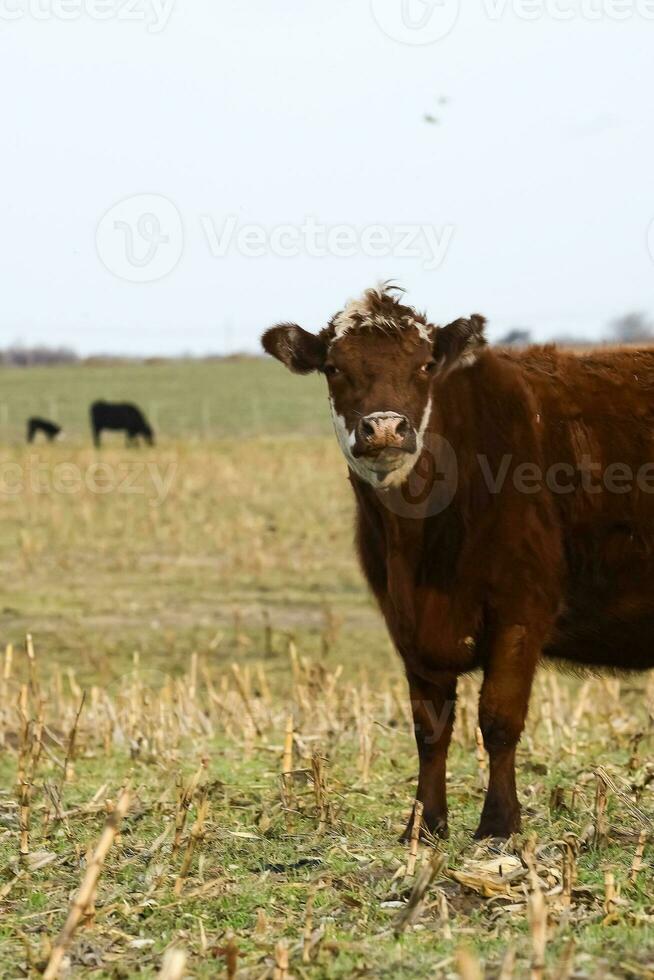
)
(384, 432)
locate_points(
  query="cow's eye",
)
(331, 370)
(427, 368)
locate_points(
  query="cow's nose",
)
(383, 429)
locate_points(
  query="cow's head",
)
(382, 361)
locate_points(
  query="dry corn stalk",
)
(564, 968)
(609, 893)
(281, 961)
(468, 966)
(415, 837)
(88, 918)
(81, 900)
(431, 867)
(24, 818)
(197, 832)
(30, 753)
(287, 769)
(600, 830)
(630, 806)
(231, 957)
(31, 664)
(537, 911)
(9, 655)
(173, 966)
(508, 965)
(637, 862)
(185, 795)
(308, 928)
(70, 749)
(569, 872)
(481, 757)
(444, 914)
(320, 790)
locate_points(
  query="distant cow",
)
(120, 416)
(505, 512)
(49, 429)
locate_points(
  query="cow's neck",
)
(407, 554)
(404, 551)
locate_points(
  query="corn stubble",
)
(177, 829)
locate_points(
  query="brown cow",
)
(505, 512)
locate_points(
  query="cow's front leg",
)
(503, 705)
(432, 704)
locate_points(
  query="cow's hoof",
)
(429, 828)
(496, 826)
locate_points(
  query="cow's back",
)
(595, 413)
(116, 415)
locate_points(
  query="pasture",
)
(203, 643)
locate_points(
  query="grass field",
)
(188, 400)
(203, 642)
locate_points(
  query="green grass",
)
(192, 400)
(247, 554)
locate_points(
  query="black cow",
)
(120, 416)
(36, 424)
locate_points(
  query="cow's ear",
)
(459, 343)
(301, 351)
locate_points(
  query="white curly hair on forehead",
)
(379, 308)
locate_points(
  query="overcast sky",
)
(180, 175)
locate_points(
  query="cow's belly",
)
(608, 619)
(625, 644)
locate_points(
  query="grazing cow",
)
(36, 424)
(504, 511)
(121, 416)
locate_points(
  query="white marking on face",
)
(368, 469)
